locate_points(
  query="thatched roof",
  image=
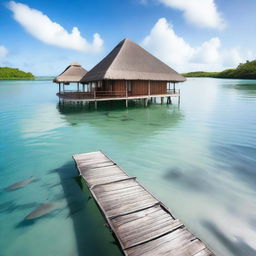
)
(72, 74)
(128, 61)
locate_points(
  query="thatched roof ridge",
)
(129, 61)
(72, 74)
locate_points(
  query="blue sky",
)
(38, 36)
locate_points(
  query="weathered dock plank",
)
(140, 222)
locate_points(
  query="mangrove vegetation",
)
(14, 74)
(242, 71)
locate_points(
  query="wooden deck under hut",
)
(72, 74)
(127, 72)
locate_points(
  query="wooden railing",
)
(108, 94)
(173, 91)
(76, 95)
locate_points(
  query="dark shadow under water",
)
(102, 106)
(92, 236)
(137, 122)
(248, 89)
(11, 206)
(238, 160)
(194, 180)
(240, 247)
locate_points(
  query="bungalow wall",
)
(111, 88)
(158, 87)
(141, 87)
(119, 88)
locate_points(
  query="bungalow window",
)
(129, 83)
(110, 85)
(99, 84)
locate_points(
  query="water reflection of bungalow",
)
(127, 72)
(72, 74)
(138, 124)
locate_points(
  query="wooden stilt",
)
(126, 89)
(162, 100)
(179, 101)
(169, 100)
(146, 102)
(95, 104)
(126, 103)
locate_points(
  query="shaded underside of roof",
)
(129, 61)
(73, 73)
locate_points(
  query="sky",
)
(43, 37)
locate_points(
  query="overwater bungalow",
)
(128, 72)
(72, 74)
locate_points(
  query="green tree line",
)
(14, 74)
(242, 71)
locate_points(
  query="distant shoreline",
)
(243, 71)
(188, 75)
(28, 79)
(7, 73)
(17, 79)
(12, 74)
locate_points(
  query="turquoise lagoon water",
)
(199, 159)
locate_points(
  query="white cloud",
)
(202, 13)
(3, 52)
(209, 51)
(44, 29)
(163, 42)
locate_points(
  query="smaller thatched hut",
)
(72, 74)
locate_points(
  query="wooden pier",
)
(140, 222)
